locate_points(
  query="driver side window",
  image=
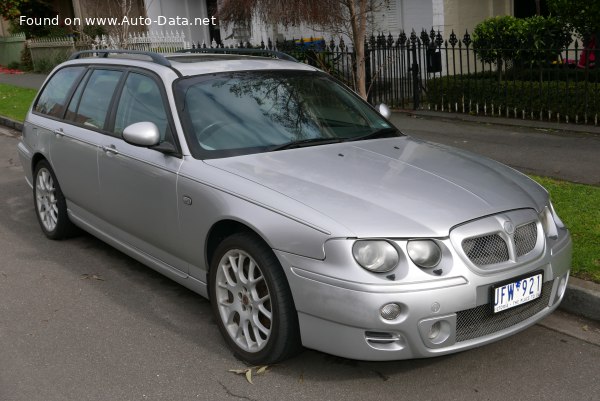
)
(141, 100)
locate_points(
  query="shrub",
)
(543, 38)
(567, 98)
(523, 41)
(26, 62)
(498, 38)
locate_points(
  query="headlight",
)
(424, 253)
(377, 255)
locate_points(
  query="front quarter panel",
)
(216, 195)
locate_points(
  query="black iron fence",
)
(427, 71)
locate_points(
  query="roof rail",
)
(156, 58)
(248, 52)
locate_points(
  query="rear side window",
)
(95, 100)
(53, 99)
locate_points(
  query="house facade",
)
(443, 15)
(394, 16)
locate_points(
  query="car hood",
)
(396, 187)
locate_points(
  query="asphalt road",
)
(81, 321)
(570, 156)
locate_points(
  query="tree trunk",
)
(358, 23)
(361, 76)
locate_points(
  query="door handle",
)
(59, 133)
(110, 149)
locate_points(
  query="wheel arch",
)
(37, 157)
(223, 229)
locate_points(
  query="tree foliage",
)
(581, 15)
(9, 9)
(347, 17)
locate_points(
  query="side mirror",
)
(142, 134)
(384, 110)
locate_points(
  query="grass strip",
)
(578, 206)
(15, 101)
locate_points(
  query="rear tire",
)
(252, 301)
(50, 204)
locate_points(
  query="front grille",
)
(481, 320)
(486, 250)
(525, 238)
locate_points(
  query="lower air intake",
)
(481, 320)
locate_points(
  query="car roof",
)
(189, 64)
(194, 64)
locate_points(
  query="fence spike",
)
(453, 40)
(467, 38)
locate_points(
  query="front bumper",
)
(342, 317)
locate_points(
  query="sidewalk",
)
(27, 80)
(496, 137)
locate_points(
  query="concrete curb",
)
(515, 122)
(10, 123)
(581, 298)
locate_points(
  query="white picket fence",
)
(56, 49)
(162, 41)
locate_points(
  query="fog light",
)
(390, 311)
(434, 331)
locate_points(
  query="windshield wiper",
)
(380, 133)
(301, 143)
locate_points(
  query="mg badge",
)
(509, 227)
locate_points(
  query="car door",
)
(72, 151)
(138, 185)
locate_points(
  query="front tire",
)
(252, 302)
(50, 204)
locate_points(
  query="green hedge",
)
(555, 96)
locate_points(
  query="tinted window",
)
(72, 109)
(239, 113)
(96, 97)
(54, 96)
(141, 100)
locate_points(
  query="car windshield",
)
(260, 111)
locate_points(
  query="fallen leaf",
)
(238, 371)
(249, 376)
(91, 276)
(585, 327)
(261, 370)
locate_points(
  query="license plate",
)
(517, 293)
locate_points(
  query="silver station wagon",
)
(298, 209)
